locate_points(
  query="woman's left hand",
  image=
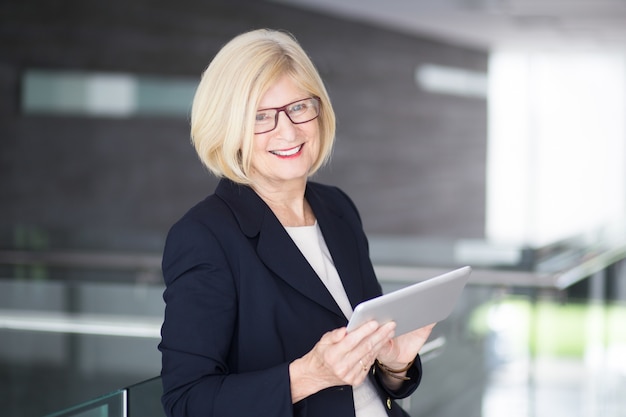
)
(401, 350)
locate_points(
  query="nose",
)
(284, 126)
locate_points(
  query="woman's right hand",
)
(339, 358)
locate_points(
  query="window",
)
(98, 94)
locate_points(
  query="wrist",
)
(395, 371)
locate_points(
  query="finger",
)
(428, 328)
(365, 353)
(405, 347)
(365, 329)
(334, 336)
(357, 336)
(350, 355)
(357, 374)
(380, 338)
(385, 341)
(421, 334)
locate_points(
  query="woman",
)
(261, 277)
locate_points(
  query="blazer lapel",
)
(273, 244)
(341, 243)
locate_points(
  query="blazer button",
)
(389, 403)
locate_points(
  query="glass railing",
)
(500, 353)
(113, 404)
(75, 325)
(139, 400)
(144, 399)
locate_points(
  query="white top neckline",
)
(310, 241)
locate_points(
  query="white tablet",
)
(415, 306)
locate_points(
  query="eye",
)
(300, 107)
(263, 117)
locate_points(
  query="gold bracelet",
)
(395, 371)
(392, 372)
(400, 377)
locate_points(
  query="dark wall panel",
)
(414, 162)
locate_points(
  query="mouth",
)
(285, 153)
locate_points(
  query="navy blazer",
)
(242, 303)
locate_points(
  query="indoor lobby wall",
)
(413, 160)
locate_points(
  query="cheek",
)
(316, 148)
(259, 147)
(317, 142)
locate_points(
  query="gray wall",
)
(414, 162)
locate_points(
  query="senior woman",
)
(262, 276)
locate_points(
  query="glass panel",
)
(144, 399)
(109, 405)
(62, 345)
(76, 93)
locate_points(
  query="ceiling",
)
(530, 25)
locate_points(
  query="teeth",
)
(288, 152)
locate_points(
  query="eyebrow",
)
(288, 103)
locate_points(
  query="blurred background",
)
(481, 132)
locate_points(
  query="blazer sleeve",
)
(407, 388)
(200, 318)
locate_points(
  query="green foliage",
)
(549, 328)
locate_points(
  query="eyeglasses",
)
(298, 112)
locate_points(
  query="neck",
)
(287, 203)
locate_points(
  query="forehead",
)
(282, 92)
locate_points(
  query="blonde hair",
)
(227, 98)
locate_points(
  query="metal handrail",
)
(82, 259)
(559, 279)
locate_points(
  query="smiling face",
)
(284, 156)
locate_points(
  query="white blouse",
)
(311, 243)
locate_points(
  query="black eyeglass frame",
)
(284, 110)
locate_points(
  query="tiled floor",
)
(555, 388)
(554, 381)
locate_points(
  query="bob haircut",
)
(229, 93)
